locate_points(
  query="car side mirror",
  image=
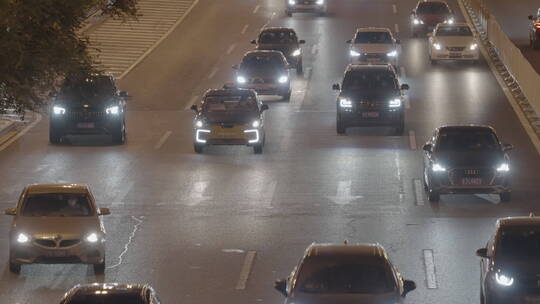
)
(104, 211)
(235, 67)
(427, 147)
(408, 286)
(10, 211)
(335, 87)
(482, 252)
(301, 41)
(124, 94)
(253, 41)
(281, 286)
(264, 107)
(349, 41)
(507, 147)
(531, 17)
(405, 87)
(194, 108)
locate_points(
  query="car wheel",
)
(119, 136)
(434, 196)
(54, 136)
(340, 127)
(505, 197)
(299, 68)
(99, 268)
(198, 148)
(14, 267)
(258, 149)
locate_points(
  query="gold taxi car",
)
(57, 224)
(229, 116)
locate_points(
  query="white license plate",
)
(471, 181)
(86, 125)
(57, 253)
(455, 55)
(370, 114)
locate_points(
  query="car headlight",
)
(438, 168)
(113, 110)
(292, 2)
(354, 53)
(473, 46)
(59, 110)
(392, 54)
(395, 103)
(320, 2)
(449, 21)
(437, 46)
(417, 21)
(345, 103)
(503, 168)
(503, 280)
(283, 79)
(199, 123)
(256, 124)
(92, 237)
(296, 52)
(22, 238)
(241, 79)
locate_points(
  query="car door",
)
(485, 263)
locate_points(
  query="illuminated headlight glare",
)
(23, 238)
(354, 53)
(392, 54)
(503, 280)
(395, 103)
(256, 124)
(417, 21)
(113, 110)
(320, 2)
(92, 238)
(256, 139)
(345, 103)
(199, 124)
(59, 110)
(450, 21)
(292, 2)
(296, 52)
(241, 79)
(438, 168)
(503, 168)
(473, 47)
(437, 46)
(283, 79)
(198, 137)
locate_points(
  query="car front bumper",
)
(81, 253)
(306, 8)
(443, 183)
(511, 294)
(106, 124)
(268, 88)
(371, 118)
(236, 135)
(465, 54)
(380, 59)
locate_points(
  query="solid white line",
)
(213, 73)
(412, 140)
(121, 195)
(396, 28)
(256, 9)
(419, 192)
(231, 48)
(126, 246)
(246, 269)
(244, 29)
(429, 263)
(20, 134)
(191, 102)
(162, 140)
(403, 73)
(394, 8)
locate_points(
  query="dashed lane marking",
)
(244, 29)
(299, 95)
(403, 72)
(246, 270)
(268, 194)
(256, 9)
(162, 140)
(396, 28)
(231, 48)
(213, 73)
(344, 193)
(197, 193)
(429, 266)
(121, 195)
(412, 140)
(191, 102)
(394, 8)
(419, 192)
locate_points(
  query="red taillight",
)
(537, 25)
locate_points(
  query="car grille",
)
(85, 115)
(375, 56)
(457, 176)
(307, 2)
(46, 243)
(262, 80)
(55, 244)
(455, 48)
(68, 243)
(371, 105)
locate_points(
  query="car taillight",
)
(537, 25)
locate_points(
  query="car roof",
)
(377, 67)
(466, 127)
(277, 29)
(263, 53)
(518, 221)
(433, 2)
(453, 25)
(109, 288)
(229, 92)
(56, 188)
(373, 29)
(329, 249)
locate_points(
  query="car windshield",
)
(275, 37)
(106, 299)
(345, 275)
(262, 62)
(432, 8)
(373, 37)
(515, 242)
(61, 204)
(242, 103)
(91, 86)
(467, 141)
(454, 31)
(369, 80)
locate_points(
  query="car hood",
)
(345, 299)
(237, 118)
(370, 95)
(469, 159)
(263, 73)
(286, 49)
(432, 19)
(518, 267)
(454, 40)
(67, 227)
(374, 48)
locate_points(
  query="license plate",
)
(455, 55)
(471, 181)
(370, 114)
(86, 125)
(57, 253)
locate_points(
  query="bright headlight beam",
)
(256, 124)
(256, 140)
(437, 46)
(345, 103)
(395, 103)
(438, 168)
(503, 168)
(392, 54)
(59, 110)
(283, 79)
(92, 238)
(23, 238)
(504, 280)
(292, 2)
(473, 47)
(113, 110)
(296, 52)
(199, 124)
(198, 135)
(320, 2)
(354, 53)
(241, 79)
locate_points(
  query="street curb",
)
(7, 129)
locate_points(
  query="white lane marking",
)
(20, 134)
(412, 140)
(299, 95)
(231, 48)
(197, 193)
(213, 73)
(429, 264)
(407, 104)
(394, 8)
(419, 192)
(396, 28)
(244, 29)
(162, 140)
(403, 74)
(121, 195)
(246, 269)
(256, 9)
(314, 49)
(130, 240)
(268, 194)
(232, 250)
(269, 20)
(492, 198)
(191, 102)
(343, 193)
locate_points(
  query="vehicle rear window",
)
(262, 61)
(230, 104)
(434, 8)
(91, 86)
(64, 204)
(454, 31)
(373, 37)
(467, 140)
(106, 299)
(275, 37)
(369, 80)
(332, 275)
(518, 242)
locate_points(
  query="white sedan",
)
(453, 42)
(375, 46)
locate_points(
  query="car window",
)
(429, 8)
(467, 140)
(373, 37)
(345, 275)
(244, 103)
(90, 86)
(262, 61)
(453, 31)
(516, 242)
(56, 205)
(275, 37)
(369, 80)
(106, 299)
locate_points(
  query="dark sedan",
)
(284, 40)
(466, 159)
(111, 293)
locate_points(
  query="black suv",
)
(509, 268)
(466, 159)
(284, 40)
(370, 95)
(88, 105)
(101, 293)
